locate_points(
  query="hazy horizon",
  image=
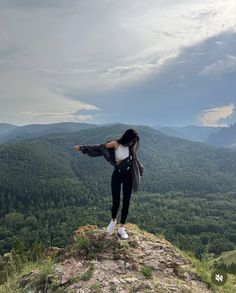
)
(155, 125)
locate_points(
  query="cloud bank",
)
(60, 56)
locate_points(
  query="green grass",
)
(10, 284)
(96, 287)
(88, 274)
(46, 267)
(82, 244)
(227, 257)
(203, 270)
(146, 271)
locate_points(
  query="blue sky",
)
(166, 63)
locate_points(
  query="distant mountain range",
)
(5, 128)
(9, 132)
(225, 137)
(218, 136)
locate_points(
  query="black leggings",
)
(121, 175)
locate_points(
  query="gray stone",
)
(154, 264)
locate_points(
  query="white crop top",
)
(121, 153)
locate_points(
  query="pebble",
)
(131, 279)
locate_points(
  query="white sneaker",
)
(122, 233)
(111, 226)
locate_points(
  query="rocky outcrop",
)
(98, 262)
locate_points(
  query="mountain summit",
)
(97, 262)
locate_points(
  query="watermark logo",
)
(219, 277)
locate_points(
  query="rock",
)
(88, 228)
(127, 265)
(153, 264)
(116, 280)
(169, 271)
(143, 286)
(122, 281)
(51, 251)
(116, 265)
(120, 263)
(131, 279)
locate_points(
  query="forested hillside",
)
(187, 191)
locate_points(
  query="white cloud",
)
(214, 116)
(221, 67)
(61, 116)
(89, 47)
(24, 100)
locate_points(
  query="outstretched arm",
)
(110, 144)
(90, 150)
(96, 149)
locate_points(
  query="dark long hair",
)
(130, 135)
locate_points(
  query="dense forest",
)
(187, 192)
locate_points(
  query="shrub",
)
(146, 271)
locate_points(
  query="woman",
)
(121, 153)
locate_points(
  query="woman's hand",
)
(77, 148)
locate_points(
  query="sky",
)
(155, 62)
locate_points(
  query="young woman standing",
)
(123, 150)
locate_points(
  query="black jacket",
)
(109, 154)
